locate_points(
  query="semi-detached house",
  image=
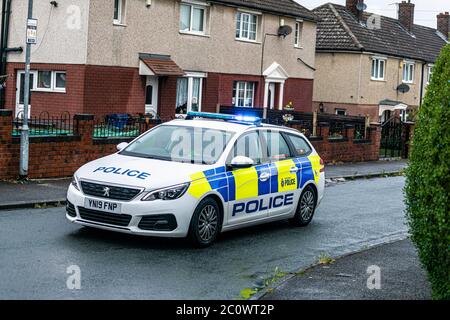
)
(374, 65)
(165, 57)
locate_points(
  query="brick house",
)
(373, 65)
(164, 57)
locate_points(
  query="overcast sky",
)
(425, 11)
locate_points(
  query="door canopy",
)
(275, 73)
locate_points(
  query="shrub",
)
(428, 180)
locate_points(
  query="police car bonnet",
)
(140, 172)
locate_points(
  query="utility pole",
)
(24, 136)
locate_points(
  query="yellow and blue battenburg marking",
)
(246, 183)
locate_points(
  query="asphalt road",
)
(37, 247)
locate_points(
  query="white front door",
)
(151, 95)
(271, 95)
(20, 93)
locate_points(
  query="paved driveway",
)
(37, 246)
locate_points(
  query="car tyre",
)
(206, 223)
(306, 208)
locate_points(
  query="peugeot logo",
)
(106, 191)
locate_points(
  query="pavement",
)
(401, 277)
(34, 193)
(39, 249)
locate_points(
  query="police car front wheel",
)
(306, 207)
(206, 223)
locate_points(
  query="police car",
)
(198, 177)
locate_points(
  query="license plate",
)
(102, 205)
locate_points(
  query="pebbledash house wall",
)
(349, 84)
(102, 59)
(61, 156)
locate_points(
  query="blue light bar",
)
(226, 117)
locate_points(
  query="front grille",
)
(116, 193)
(121, 220)
(70, 208)
(166, 222)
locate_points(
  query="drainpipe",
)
(6, 13)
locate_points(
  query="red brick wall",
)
(113, 90)
(50, 159)
(349, 150)
(167, 97)
(102, 90)
(300, 92)
(52, 102)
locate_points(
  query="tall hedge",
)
(428, 180)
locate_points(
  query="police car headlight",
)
(170, 193)
(75, 183)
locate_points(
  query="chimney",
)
(352, 6)
(443, 24)
(406, 14)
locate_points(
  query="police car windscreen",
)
(181, 144)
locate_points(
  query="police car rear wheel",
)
(306, 208)
(205, 224)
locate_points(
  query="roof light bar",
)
(226, 117)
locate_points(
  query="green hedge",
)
(428, 180)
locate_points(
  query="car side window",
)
(277, 147)
(248, 145)
(300, 145)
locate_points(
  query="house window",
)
(60, 81)
(189, 94)
(51, 81)
(408, 72)
(192, 18)
(341, 112)
(298, 34)
(246, 26)
(44, 81)
(378, 68)
(430, 72)
(119, 11)
(244, 94)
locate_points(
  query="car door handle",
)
(264, 176)
(294, 170)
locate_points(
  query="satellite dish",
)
(361, 6)
(403, 88)
(284, 31)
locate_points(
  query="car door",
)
(285, 173)
(248, 188)
(302, 159)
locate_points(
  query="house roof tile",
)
(338, 29)
(284, 7)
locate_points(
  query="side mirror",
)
(241, 162)
(122, 146)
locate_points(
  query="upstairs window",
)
(192, 18)
(408, 72)
(244, 94)
(119, 11)
(378, 68)
(298, 34)
(246, 26)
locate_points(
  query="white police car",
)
(198, 177)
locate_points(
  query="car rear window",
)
(302, 147)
